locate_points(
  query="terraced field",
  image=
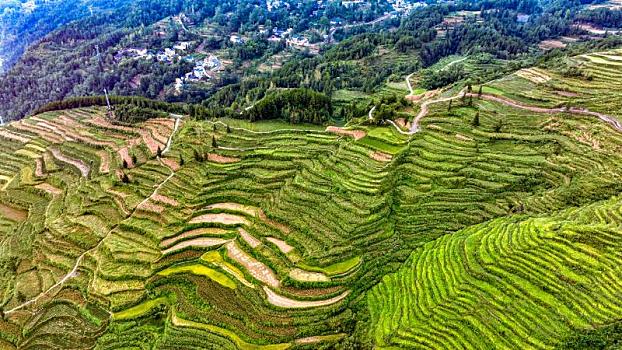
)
(281, 237)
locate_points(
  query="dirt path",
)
(410, 86)
(425, 109)
(371, 113)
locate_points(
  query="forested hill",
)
(239, 35)
(23, 22)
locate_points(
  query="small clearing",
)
(356, 134)
(284, 302)
(221, 218)
(257, 269)
(551, 44)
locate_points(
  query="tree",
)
(214, 143)
(124, 164)
(181, 160)
(479, 93)
(124, 178)
(134, 159)
(159, 152)
(449, 107)
(475, 121)
(228, 129)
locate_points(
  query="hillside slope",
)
(177, 233)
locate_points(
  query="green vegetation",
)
(250, 222)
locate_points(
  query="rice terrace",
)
(472, 202)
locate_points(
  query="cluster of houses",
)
(203, 70)
(168, 55)
(405, 6)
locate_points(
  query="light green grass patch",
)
(339, 268)
(140, 309)
(200, 270)
(268, 125)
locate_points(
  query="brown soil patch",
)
(402, 123)
(216, 158)
(84, 169)
(124, 153)
(12, 213)
(284, 302)
(248, 238)
(152, 207)
(165, 200)
(39, 167)
(221, 218)
(202, 242)
(171, 163)
(356, 134)
(282, 245)
(307, 276)
(380, 156)
(104, 165)
(257, 269)
(49, 189)
(193, 233)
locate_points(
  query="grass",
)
(476, 232)
(335, 269)
(201, 270)
(140, 309)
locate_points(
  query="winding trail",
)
(370, 115)
(410, 85)
(74, 270)
(425, 110)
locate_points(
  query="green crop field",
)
(497, 225)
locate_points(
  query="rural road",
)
(425, 109)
